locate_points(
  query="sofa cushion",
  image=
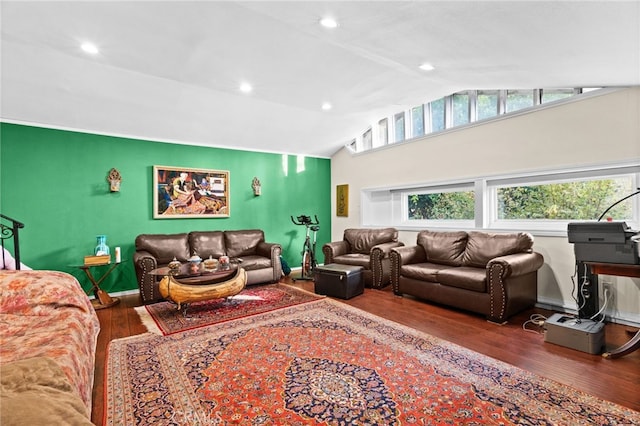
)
(363, 240)
(355, 259)
(251, 263)
(242, 243)
(465, 277)
(207, 243)
(484, 246)
(422, 271)
(446, 248)
(164, 247)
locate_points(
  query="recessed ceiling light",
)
(329, 23)
(89, 48)
(246, 88)
(326, 106)
(427, 67)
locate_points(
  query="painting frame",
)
(187, 192)
(342, 200)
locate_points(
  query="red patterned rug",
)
(325, 362)
(163, 318)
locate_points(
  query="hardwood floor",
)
(615, 380)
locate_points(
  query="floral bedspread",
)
(46, 313)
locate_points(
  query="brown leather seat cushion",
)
(423, 271)
(355, 259)
(465, 277)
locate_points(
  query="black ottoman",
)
(336, 280)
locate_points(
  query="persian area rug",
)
(163, 318)
(328, 363)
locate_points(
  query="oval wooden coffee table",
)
(185, 287)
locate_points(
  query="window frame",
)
(391, 204)
(436, 189)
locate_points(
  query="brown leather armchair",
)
(261, 260)
(368, 248)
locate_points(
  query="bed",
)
(48, 336)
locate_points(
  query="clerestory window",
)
(460, 109)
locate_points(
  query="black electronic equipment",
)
(606, 242)
(600, 242)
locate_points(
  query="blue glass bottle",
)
(102, 248)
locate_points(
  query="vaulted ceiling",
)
(170, 70)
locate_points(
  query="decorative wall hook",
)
(114, 179)
(257, 188)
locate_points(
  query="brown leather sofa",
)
(260, 259)
(488, 273)
(368, 248)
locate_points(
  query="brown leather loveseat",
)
(488, 273)
(260, 259)
(368, 248)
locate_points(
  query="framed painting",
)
(180, 192)
(342, 200)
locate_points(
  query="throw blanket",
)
(36, 391)
(47, 314)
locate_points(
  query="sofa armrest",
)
(271, 251)
(512, 283)
(404, 255)
(144, 262)
(333, 249)
(515, 264)
(381, 263)
(407, 255)
(381, 251)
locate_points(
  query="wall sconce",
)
(114, 180)
(257, 188)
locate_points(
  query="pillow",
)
(484, 246)
(444, 248)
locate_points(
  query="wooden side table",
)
(102, 299)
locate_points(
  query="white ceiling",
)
(170, 70)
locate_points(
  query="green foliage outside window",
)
(578, 200)
(584, 200)
(442, 206)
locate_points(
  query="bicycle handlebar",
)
(305, 220)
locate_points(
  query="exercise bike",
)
(309, 248)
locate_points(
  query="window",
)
(550, 95)
(367, 141)
(519, 99)
(460, 109)
(487, 104)
(417, 121)
(383, 131)
(583, 199)
(437, 115)
(457, 205)
(398, 126)
(542, 202)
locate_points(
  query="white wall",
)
(597, 129)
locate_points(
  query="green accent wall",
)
(54, 181)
